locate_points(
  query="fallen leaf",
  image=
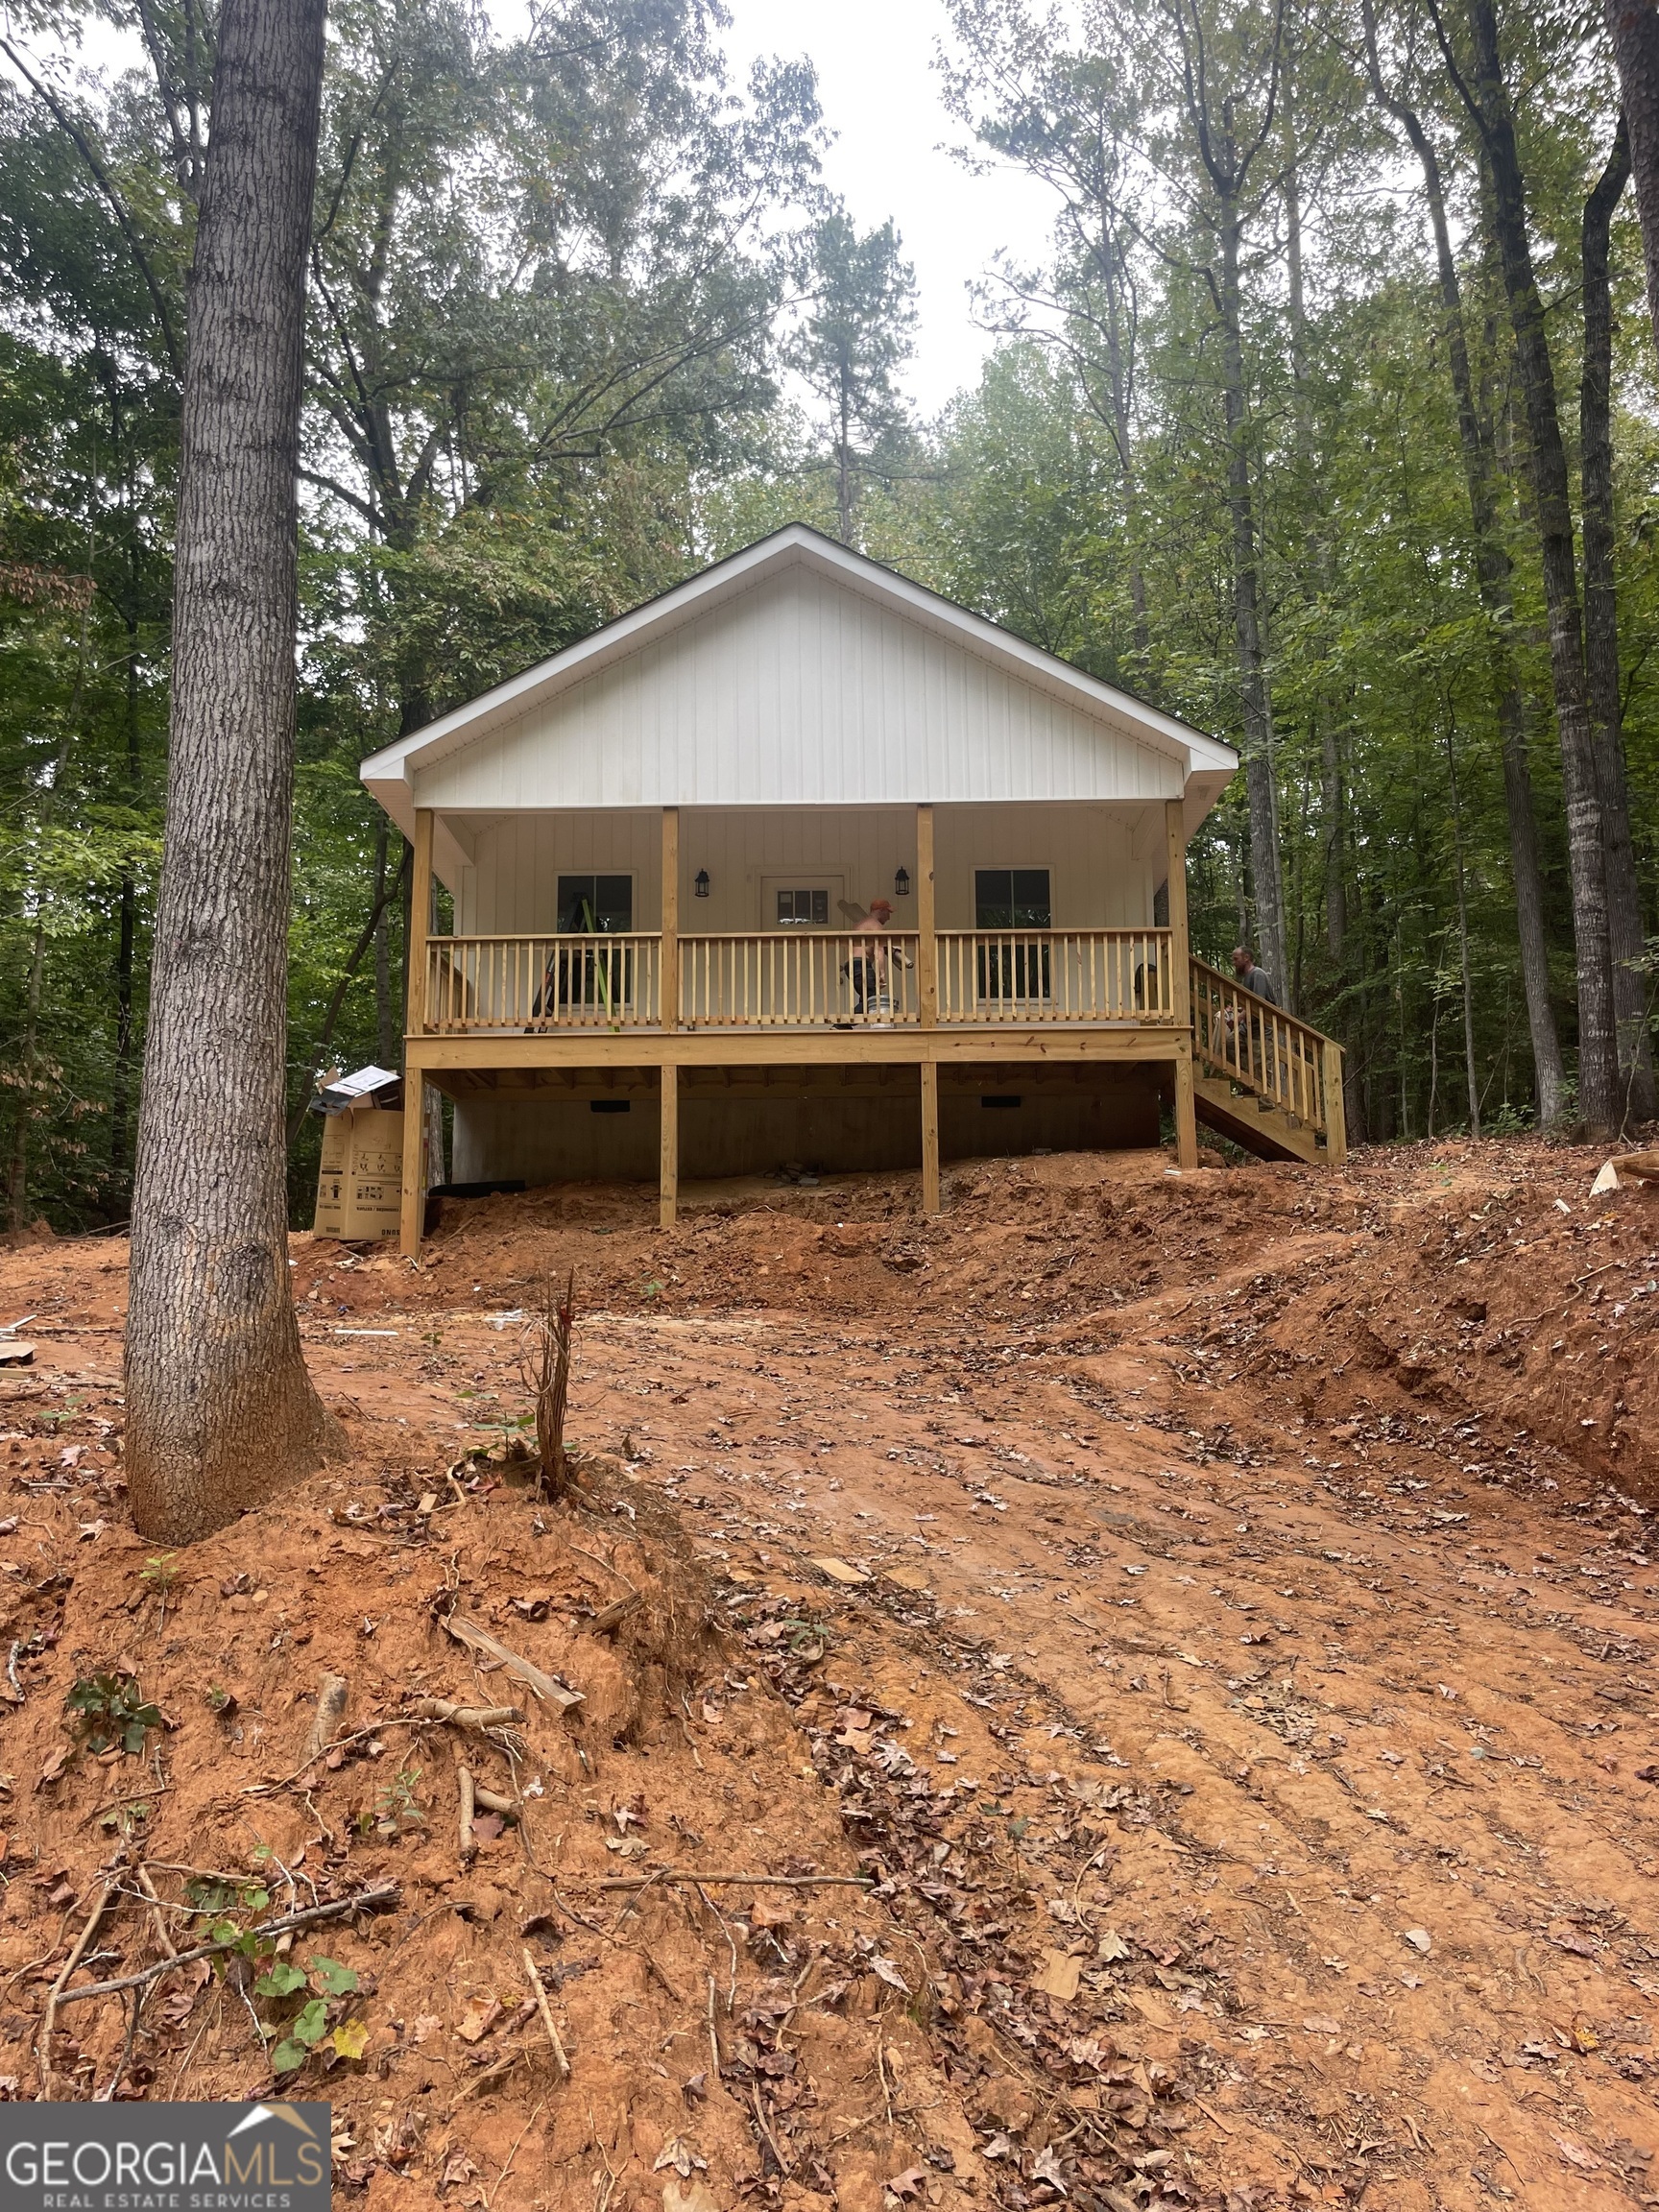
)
(1111, 1946)
(1575, 2155)
(1045, 2167)
(1419, 1940)
(840, 1570)
(909, 2183)
(352, 2038)
(908, 1579)
(1059, 1977)
(426, 2026)
(486, 1826)
(678, 2153)
(56, 1762)
(1317, 2024)
(1001, 2145)
(890, 1974)
(480, 2016)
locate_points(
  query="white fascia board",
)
(388, 774)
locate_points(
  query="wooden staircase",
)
(1270, 1083)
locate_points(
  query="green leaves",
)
(280, 1979)
(111, 1708)
(310, 2023)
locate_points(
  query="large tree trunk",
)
(219, 1408)
(1494, 575)
(1633, 26)
(1258, 707)
(1598, 1100)
(1601, 639)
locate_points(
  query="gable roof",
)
(1192, 764)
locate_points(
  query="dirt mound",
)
(728, 2031)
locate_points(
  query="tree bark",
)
(1633, 26)
(1256, 700)
(219, 1408)
(1598, 1101)
(1495, 579)
(1625, 937)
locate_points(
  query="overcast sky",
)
(880, 96)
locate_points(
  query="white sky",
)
(880, 97)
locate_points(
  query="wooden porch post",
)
(668, 981)
(668, 1209)
(1335, 1105)
(931, 1202)
(1181, 984)
(414, 1208)
(927, 948)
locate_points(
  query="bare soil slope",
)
(1214, 1613)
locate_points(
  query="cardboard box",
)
(360, 1185)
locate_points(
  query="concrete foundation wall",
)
(752, 1121)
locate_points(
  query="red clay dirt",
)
(1214, 1615)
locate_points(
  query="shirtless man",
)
(870, 969)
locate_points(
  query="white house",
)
(660, 843)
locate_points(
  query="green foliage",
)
(110, 1710)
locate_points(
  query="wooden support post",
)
(413, 1214)
(931, 1202)
(420, 922)
(928, 946)
(668, 1211)
(413, 1220)
(669, 982)
(1335, 1105)
(1186, 1109)
(1181, 984)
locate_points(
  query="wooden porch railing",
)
(566, 982)
(1056, 975)
(804, 979)
(1263, 1049)
(795, 978)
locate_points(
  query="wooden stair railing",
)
(1281, 1062)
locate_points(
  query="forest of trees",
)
(1329, 423)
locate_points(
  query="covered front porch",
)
(1038, 962)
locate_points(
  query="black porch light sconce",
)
(902, 885)
(700, 883)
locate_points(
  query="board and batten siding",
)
(1105, 862)
(800, 691)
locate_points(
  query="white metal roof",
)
(797, 673)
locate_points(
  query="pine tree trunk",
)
(1602, 640)
(1258, 708)
(1633, 26)
(1495, 579)
(219, 1408)
(1598, 1101)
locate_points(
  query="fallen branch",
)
(478, 1717)
(492, 1801)
(469, 1841)
(56, 1994)
(737, 1881)
(377, 1899)
(521, 1669)
(560, 2059)
(613, 1616)
(331, 1711)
